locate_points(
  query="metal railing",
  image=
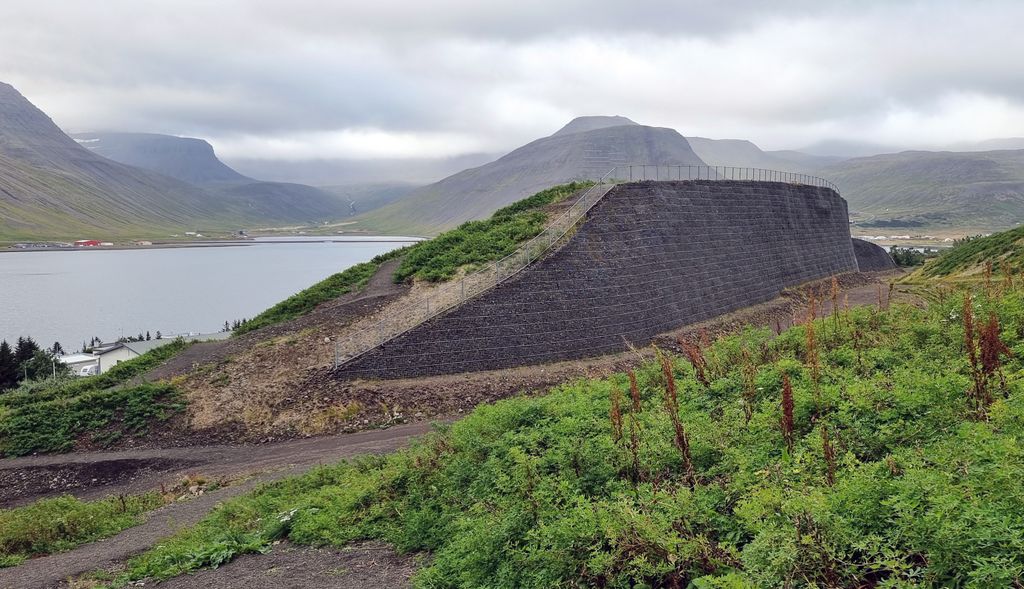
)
(642, 172)
(419, 307)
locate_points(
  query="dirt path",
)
(271, 462)
(359, 566)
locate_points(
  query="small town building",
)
(111, 355)
(87, 243)
(81, 364)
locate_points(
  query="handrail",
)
(663, 172)
(421, 307)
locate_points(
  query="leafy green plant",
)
(53, 425)
(61, 523)
(891, 479)
(478, 242)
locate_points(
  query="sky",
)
(305, 79)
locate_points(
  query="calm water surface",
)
(71, 296)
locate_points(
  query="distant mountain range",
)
(585, 148)
(920, 191)
(117, 185)
(910, 191)
(51, 187)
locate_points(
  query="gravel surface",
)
(359, 566)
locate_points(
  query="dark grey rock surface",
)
(651, 257)
(872, 257)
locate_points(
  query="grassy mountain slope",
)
(363, 198)
(187, 159)
(53, 188)
(915, 189)
(562, 157)
(194, 161)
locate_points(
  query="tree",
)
(57, 349)
(43, 365)
(8, 367)
(24, 351)
(148, 336)
(159, 335)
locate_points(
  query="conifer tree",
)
(8, 367)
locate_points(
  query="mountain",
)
(964, 191)
(355, 172)
(562, 157)
(363, 198)
(989, 144)
(194, 161)
(53, 188)
(592, 123)
(191, 160)
(743, 153)
(847, 149)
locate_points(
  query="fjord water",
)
(71, 296)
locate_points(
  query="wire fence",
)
(652, 172)
(420, 306)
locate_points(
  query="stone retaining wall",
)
(872, 257)
(650, 257)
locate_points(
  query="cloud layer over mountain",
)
(300, 79)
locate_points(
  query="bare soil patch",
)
(20, 485)
(359, 566)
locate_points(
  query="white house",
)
(81, 364)
(111, 355)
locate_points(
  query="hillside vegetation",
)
(999, 253)
(875, 448)
(54, 188)
(919, 190)
(438, 259)
(50, 416)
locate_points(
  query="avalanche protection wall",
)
(872, 257)
(650, 257)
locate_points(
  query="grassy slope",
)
(61, 523)
(979, 190)
(1004, 250)
(472, 243)
(50, 416)
(542, 491)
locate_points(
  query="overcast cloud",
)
(295, 79)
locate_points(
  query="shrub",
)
(55, 525)
(890, 481)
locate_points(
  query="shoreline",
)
(218, 243)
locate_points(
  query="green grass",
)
(539, 492)
(438, 259)
(971, 255)
(55, 525)
(104, 416)
(478, 242)
(50, 416)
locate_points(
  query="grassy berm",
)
(51, 416)
(468, 246)
(876, 448)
